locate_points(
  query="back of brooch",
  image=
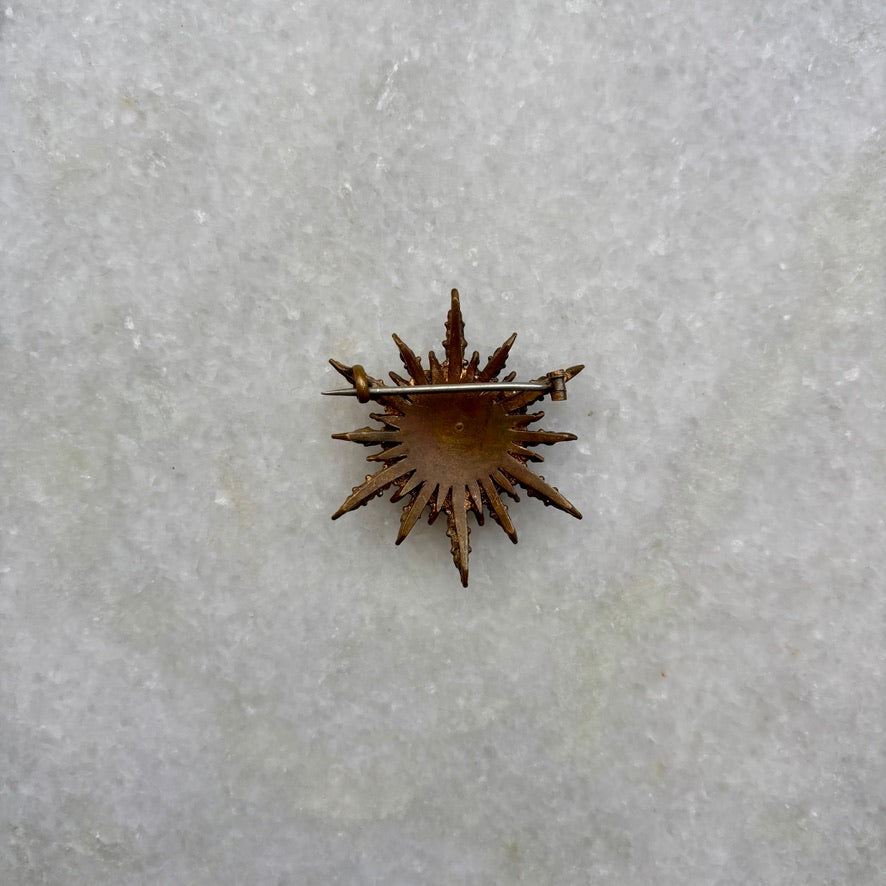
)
(454, 437)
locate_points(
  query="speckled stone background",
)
(205, 681)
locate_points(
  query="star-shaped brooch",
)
(454, 437)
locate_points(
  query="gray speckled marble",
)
(204, 680)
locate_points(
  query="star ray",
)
(368, 436)
(535, 483)
(521, 421)
(458, 532)
(411, 484)
(388, 418)
(548, 438)
(372, 486)
(473, 488)
(498, 508)
(455, 343)
(505, 484)
(410, 361)
(389, 454)
(437, 376)
(497, 360)
(471, 369)
(413, 511)
(532, 455)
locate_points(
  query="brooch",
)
(454, 437)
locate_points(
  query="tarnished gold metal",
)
(457, 449)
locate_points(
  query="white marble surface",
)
(204, 680)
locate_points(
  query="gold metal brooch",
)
(454, 437)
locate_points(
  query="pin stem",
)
(463, 388)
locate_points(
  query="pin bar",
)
(463, 388)
(555, 385)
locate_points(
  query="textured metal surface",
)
(455, 452)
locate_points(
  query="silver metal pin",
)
(464, 388)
